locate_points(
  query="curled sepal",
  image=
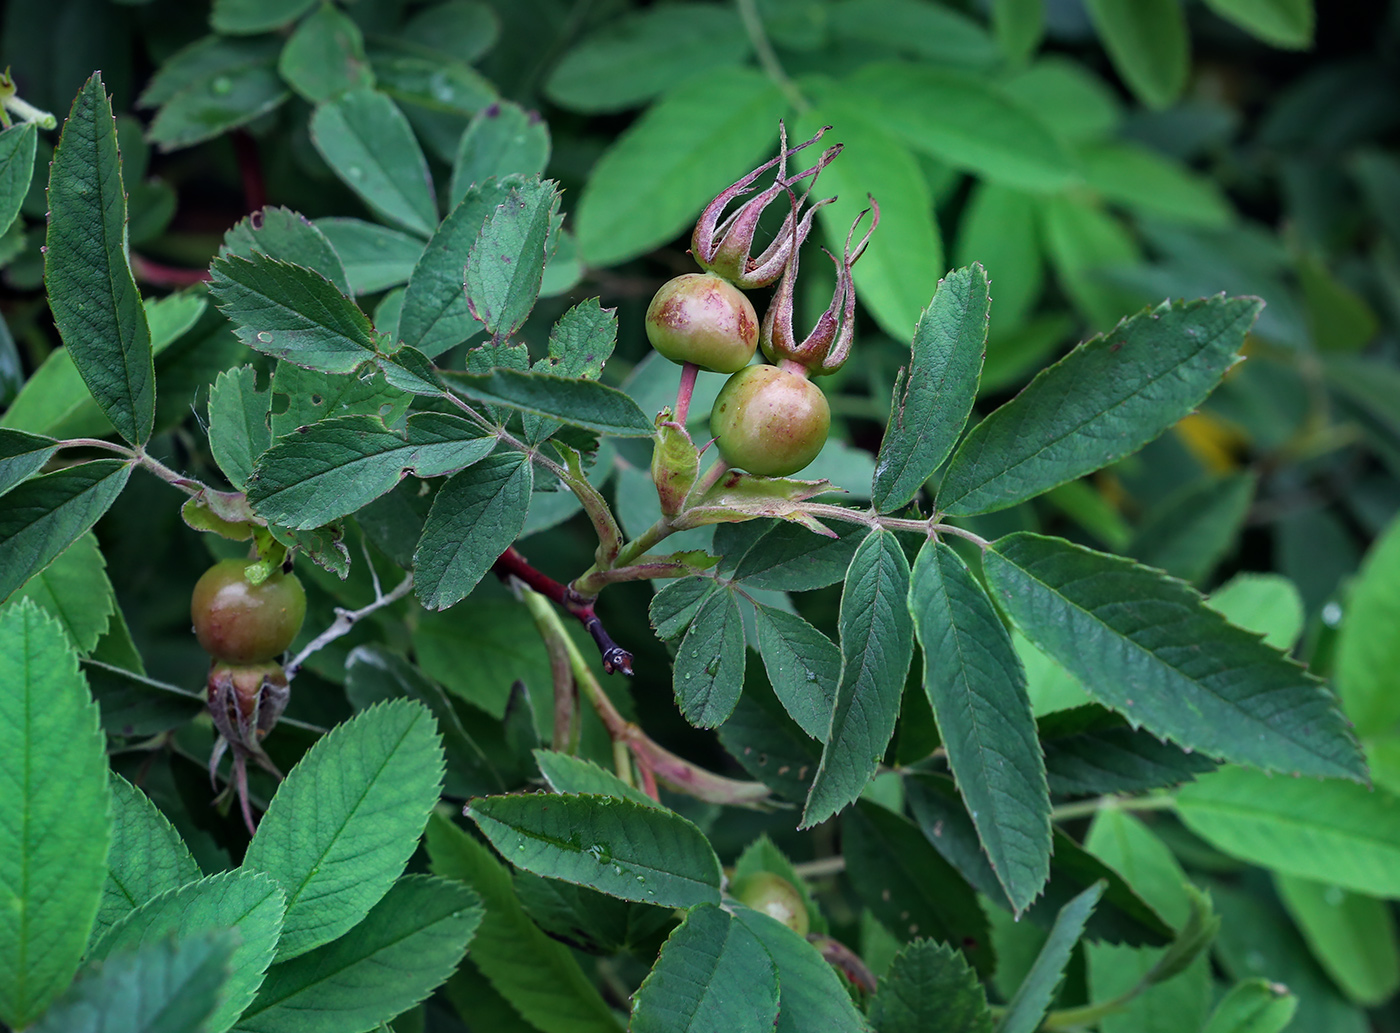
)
(825, 349)
(675, 463)
(225, 513)
(723, 245)
(741, 496)
(245, 702)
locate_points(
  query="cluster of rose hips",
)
(767, 419)
(245, 628)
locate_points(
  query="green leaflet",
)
(506, 261)
(18, 145)
(1108, 756)
(74, 589)
(582, 340)
(708, 674)
(877, 644)
(977, 688)
(374, 257)
(803, 665)
(575, 401)
(502, 140)
(811, 995)
(474, 517)
(1148, 44)
(1019, 26)
(325, 56)
(238, 423)
(626, 63)
(998, 231)
(21, 456)
(57, 829)
(1195, 528)
(538, 975)
(1352, 936)
(933, 395)
(1144, 181)
(902, 264)
(169, 985)
(45, 514)
(345, 821)
(700, 137)
(713, 974)
(1254, 1006)
(1282, 23)
(312, 396)
(908, 886)
(246, 17)
(1028, 1007)
(941, 35)
(1168, 662)
(964, 120)
(930, 986)
(368, 143)
(248, 902)
(91, 292)
(674, 607)
(341, 464)
(786, 557)
(409, 943)
(1332, 831)
(287, 236)
(1102, 401)
(147, 857)
(292, 313)
(1267, 604)
(1368, 650)
(211, 86)
(616, 846)
(573, 775)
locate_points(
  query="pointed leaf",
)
(506, 261)
(245, 17)
(574, 775)
(408, 944)
(713, 976)
(580, 403)
(787, 557)
(1102, 401)
(1194, 529)
(616, 846)
(341, 464)
(22, 456)
(211, 86)
(374, 257)
(803, 665)
(933, 395)
(674, 607)
(1254, 1006)
(18, 144)
(877, 643)
(977, 688)
(74, 589)
(930, 986)
(56, 829)
(147, 858)
(709, 667)
(1148, 647)
(501, 140)
(171, 986)
(1093, 757)
(345, 821)
(287, 236)
(1281, 23)
(368, 143)
(1028, 1007)
(582, 340)
(1148, 43)
(247, 902)
(46, 514)
(238, 423)
(91, 292)
(475, 516)
(811, 995)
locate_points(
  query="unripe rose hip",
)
(770, 421)
(242, 623)
(701, 318)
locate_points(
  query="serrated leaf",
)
(368, 143)
(930, 986)
(1331, 831)
(325, 56)
(1253, 1006)
(674, 607)
(292, 313)
(574, 775)
(57, 830)
(615, 846)
(977, 688)
(933, 395)
(908, 886)
(74, 589)
(338, 465)
(410, 942)
(147, 857)
(713, 976)
(803, 666)
(21, 456)
(18, 145)
(1028, 1007)
(248, 902)
(708, 673)
(164, 987)
(1351, 935)
(1282, 23)
(877, 643)
(506, 261)
(582, 340)
(769, 744)
(900, 268)
(1102, 401)
(343, 824)
(811, 995)
(44, 515)
(1368, 651)
(287, 236)
(578, 402)
(964, 120)
(238, 423)
(1096, 758)
(374, 257)
(474, 517)
(787, 557)
(700, 137)
(1148, 647)
(538, 975)
(1148, 44)
(211, 86)
(92, 294)
(501, 140)
(311, 396)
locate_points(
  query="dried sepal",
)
(245, 703)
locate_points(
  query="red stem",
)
(158, 275)
(245, 150)
(689, 371)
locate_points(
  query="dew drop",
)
(221, 86)
(712, 667)
(355, 172)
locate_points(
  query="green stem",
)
(768, 58)
(1088, 808)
